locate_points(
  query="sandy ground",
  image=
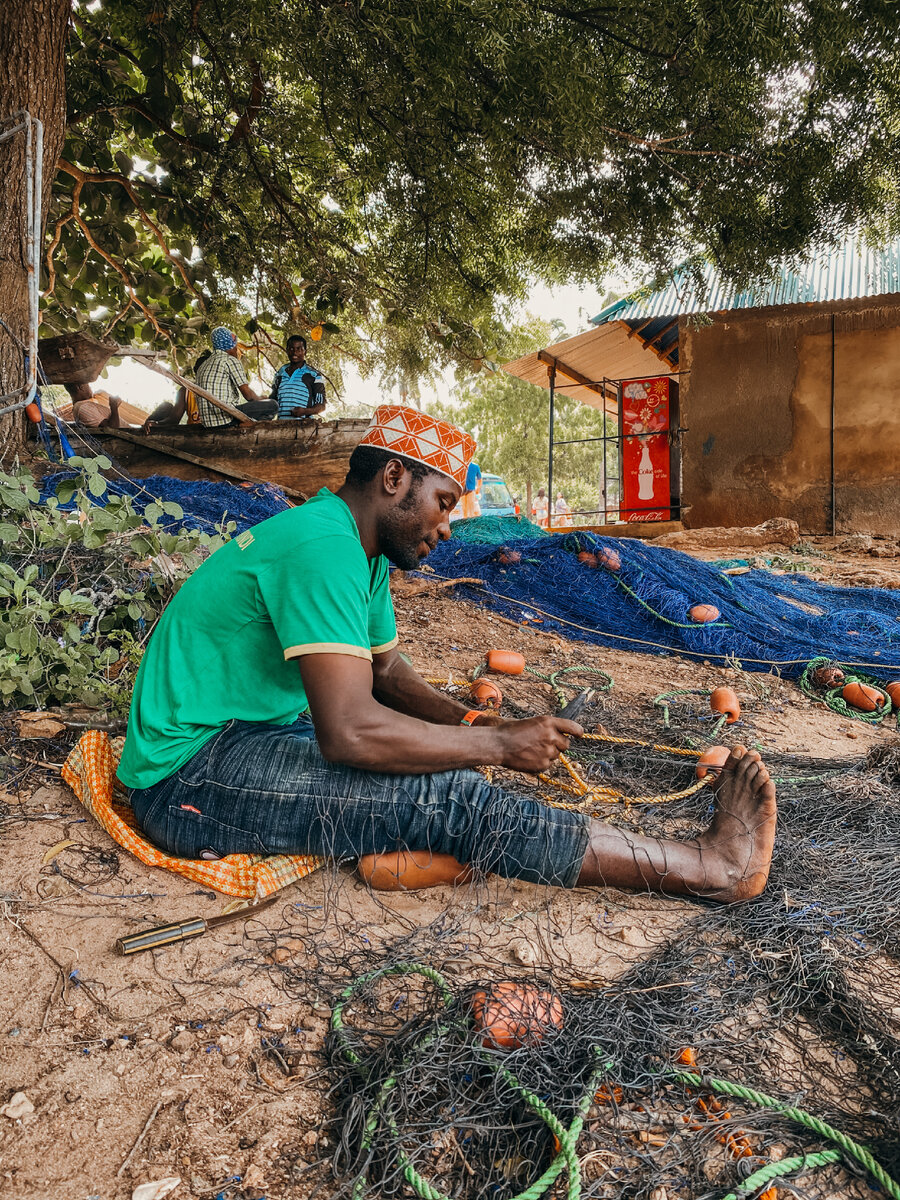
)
(203, 1061)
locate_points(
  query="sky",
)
(574, 306)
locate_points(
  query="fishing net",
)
(642, 601)
(745, 1043)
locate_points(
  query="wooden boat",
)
(300, 456)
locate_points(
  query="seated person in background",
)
(168, 413)
(297, 387)
(95, 410)
(222, 375)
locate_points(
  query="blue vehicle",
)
(496, 498)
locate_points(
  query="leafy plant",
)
(83, 580)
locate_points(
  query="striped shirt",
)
(223, 377)
(291, 388)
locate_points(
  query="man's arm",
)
(352, 727)
(401, 687)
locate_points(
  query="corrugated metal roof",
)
(850, 272)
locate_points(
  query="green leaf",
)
(9, 533)
(171, 509)
(66, 490)
(97, 485)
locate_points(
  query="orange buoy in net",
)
(509, 557)
(505, 662)
(863, 697)
(586, 557)
(486, 693)
(515, 1014)
(609, 559)
(409, 870)
(712, 761)
(829, 677)
(701, 613)
(893, 690)
(724, 700)
(33, 412)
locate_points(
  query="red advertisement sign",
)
(646, 492)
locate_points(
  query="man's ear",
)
(393, 475)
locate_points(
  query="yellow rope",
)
(584, 791)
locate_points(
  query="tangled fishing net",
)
(643, 602)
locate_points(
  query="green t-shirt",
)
(298, 583)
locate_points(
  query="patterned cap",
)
(428, 440)
(223, 339)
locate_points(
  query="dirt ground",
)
(202, 1062)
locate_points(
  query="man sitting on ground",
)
(298, 388)
(288, 722)
(222, 375)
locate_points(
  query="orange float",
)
(863, 697)
(509, 557)
(724, 700)
(409, 870)
(712, 761)
(515, 1014)
(829, 677)
(33, 412)
(893, 690)
(505, 662)
(586, 557)
(701, 613)
(315, 333)
(609, 559)
(487, 693)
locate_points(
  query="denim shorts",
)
(266, 789)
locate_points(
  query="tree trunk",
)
(528, 499)
(32, 53)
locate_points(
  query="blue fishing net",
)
(206, 504)
(766, 620)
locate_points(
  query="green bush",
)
(81, 590)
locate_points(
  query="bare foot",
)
(736, 849)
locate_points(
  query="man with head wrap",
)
(222, 375)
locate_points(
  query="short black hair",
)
(367, 461)
(295, 337)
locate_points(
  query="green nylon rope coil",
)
(567, 1137)
(836, 702)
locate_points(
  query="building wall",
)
(756, 403)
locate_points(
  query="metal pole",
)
(550, 464)
(833, 491)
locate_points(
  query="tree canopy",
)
(393, 172)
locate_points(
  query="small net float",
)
(864, 697)
(512, 1014)
(724, 700)
(33, 412)
(505, 662)
(486, 693)
(893, 690)
(609, 559)
(586, 557)
(509, 557)
(702, 613)
(711, 761)
(829, 677)
(409, 870)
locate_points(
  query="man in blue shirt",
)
(298, 388)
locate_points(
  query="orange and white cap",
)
(428, 440)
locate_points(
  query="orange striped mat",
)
(90, 772)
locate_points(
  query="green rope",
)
(566, 1157)
(719, 623)
(554, 678)
(778, 1170)
(822, 1128)
(835, 701)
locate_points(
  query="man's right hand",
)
(533, 744)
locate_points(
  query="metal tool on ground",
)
(183, 931)
(572, 710)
